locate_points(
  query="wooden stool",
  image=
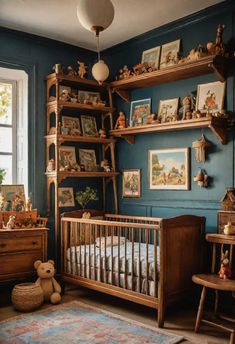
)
(213, 281)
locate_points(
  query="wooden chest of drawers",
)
(19, 248)
(223, 216)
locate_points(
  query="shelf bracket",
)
(217, 71)
(123, 94)
(220, 133)
(129, 139)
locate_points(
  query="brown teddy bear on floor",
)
(50, 287)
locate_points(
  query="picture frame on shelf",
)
(12, 197)
(86, 97)
(67, 156)
(139, 112)
(70, 126)
(64, 93)
(151, 57)
(89, 127)
(210, 96)
(168, 110)
(87, 158)
(131, 183)
(169, 53)
(169, 169)
(66, 197)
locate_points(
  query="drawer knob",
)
(34, 242)
(2, 245)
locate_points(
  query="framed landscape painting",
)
(169, 169)
(67, 156)
(210, 96)
(140, 109)
(151, 56)
(66, 197)
(89, 127)
(131, 181)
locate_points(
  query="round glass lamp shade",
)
(93, 14)
(100, 71)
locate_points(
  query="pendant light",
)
(96, 16)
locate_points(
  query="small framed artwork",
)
(66, 197)
(169, 53)
(89, 127)
(210, 96)
(88, 159)
(88, 97)
(151, 56)
(169, 169)
(167, 110)
(140, 109)
(64, 92)
(12, 197)
(67, 156)
(131, 181)
(70, 126)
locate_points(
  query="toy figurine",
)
(217, 48)
(102, 133)
(201, 179)
(58, 68)
(186, 106)
(28, 204)
(71, 71)
(105, 165)
(225, 271)
(121, 121)
(11, 222)
(81, 69)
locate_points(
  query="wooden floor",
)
(179, 320)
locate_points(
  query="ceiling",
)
(57, 19)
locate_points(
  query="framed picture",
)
(66, 197)
(67, 156)
(151, 56)
(140, 109)
(88, 97)
(64, 92)
(89, 127)
(169, 53)
(169, 169)
(88, 159)
(210, 97)
(131, 181)
(12, 197)
(70, 126)
(167, 109)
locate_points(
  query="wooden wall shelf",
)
(210, 64)
(76, 106)
(217, 125)
(72, 138)
(69, 79)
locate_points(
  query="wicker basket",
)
(27, 296)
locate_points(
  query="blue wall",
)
(197, 29)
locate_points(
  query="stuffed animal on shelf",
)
(50, 287)
(225, 271)
(11, 222)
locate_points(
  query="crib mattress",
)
(81, 257)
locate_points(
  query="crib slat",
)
(105, 255)
(100, 258)
(75, 226)
(80, 251)
(125, 261)
(155, 265)
(230, 255)
(132, 259)
(89, 252)
(71, 245)
(85, 237)
(147, 262)
(112, 255)
(94, 263)
(118, 233)
(65, 243)
(139, 261)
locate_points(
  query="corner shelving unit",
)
(210, 64)
(56, 106)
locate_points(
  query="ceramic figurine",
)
(105, 165)
(51, 165)
(11, 222)
(28, 204)
(225, 271)
(81, 69)
(201, 178)
(121, 121)
(58, 68)
(186, 106)
(229, 229)
(217, 48)
(200, 146)
(65, 96)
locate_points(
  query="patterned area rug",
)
(76, 322)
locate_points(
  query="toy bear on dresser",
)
(50, 287)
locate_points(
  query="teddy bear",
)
(50, 287)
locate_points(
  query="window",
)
(14, 126)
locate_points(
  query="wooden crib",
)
(146, 260)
